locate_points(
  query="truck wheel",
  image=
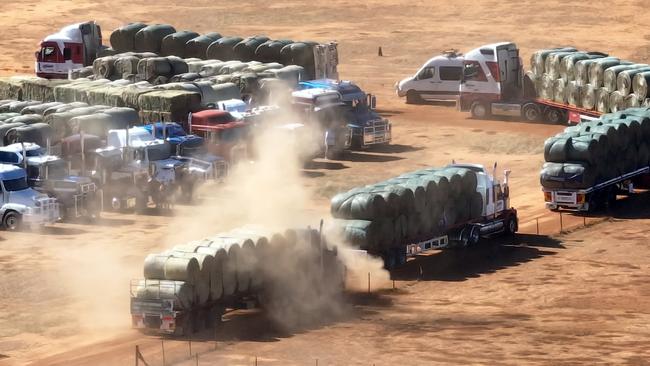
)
(480, 110)
(474, 236)
(511, 226)
(554, 116)
(12, 221)
(530, 112)
(412, 97)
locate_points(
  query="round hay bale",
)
(574, 94)
(28, 119)
(181, 292)
(640, 85)
(149, 38)
(223, 48)
(123, 39)
(168, 267)
(37, 133)
(174, 44)
(40, 108)
(616, 102)
(602, 100)
(269, 51)
(597, 69)
(589, 97)
(104, 67)
(5, 129)
(197, 47)
(245, 49)
(625, 79)
(126, 65)
(610, 75)
(178, 65)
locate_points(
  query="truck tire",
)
(530, 112)
(474, 236)
(554, 116)
(12, 221)
(412, 97)
(511, 226)
(480, 110)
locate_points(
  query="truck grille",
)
(377, 132)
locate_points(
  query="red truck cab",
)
(225, 135)
(73, 47)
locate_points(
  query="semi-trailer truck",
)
(493, 84)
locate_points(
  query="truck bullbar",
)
(81, 199)
(378, 132)
(438, 242)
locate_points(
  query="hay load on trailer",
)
(191, 286)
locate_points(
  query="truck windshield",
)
(160, 152)
(57, 170)
(17, 184)
(333, 116)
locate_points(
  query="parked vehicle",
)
(21, 205)
(225, 134)
(73, 47)
(191, 149)
(323, 111)
(437, 80)
(49, 174)
(493, 85)
(367, 126)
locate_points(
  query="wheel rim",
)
(474, 237)
(11, 222)
(531, 114)
(479, 110)
(512, 227)
(554, 116)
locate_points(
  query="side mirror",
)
(373, 102)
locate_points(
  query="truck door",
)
(508, 61)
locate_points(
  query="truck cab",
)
(73, 47)
(22, 205)
(323, 111)
(367, 126)
(493, 83)
(49, 174)
(225, 135)
(437, 80)
(191, 149)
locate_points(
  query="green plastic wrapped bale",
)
(149, 39)
(223, 49)
(359, 206)
(198, 46)
(38, 133)
(17, 106)
(476, 206)
(64, 108)
(28, 119)
(172, 101)
(40, 108)
(245, 50)
(6, 116)
(269, 51)
(568, 175)
(123, 38)
(174, 44)
(468, 179)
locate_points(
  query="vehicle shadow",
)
(489, 257)
(388, 112)
(310, 174)
(58, 230)
(392, 148)
(266, 326)
(327, 165)
(104, 221)
(369, 158)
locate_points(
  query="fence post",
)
(162, 345)
(189, 342)
(255, 360)
(368, 282)
(197, 359)
(561, 225)
(136, 355)
(584, 221)
(537, 221)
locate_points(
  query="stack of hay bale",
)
(243, 261)
(37, 122)
(596, 151)
(589, 80)
(28, 87)
(166, 41)
(408, 208)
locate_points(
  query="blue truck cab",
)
(367, 126)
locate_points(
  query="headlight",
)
(37, 203)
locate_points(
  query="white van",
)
(438, 79)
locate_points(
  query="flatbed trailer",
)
(598, 196)
(460, 236)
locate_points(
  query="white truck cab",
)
(437, 80)
(22, 205)
(492, 81)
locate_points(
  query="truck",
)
(49, 174)
(493, 84)
(599, 196)
(323, 112)
(497, 218)
(72, 47)
(367, 126)
(23, 206)
(167, 175)
(226, 135)
(171, 307)
(122, 184)
(191, 149)
(438, 79)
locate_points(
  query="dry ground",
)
(576, 299)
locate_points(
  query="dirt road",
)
(582, 299)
